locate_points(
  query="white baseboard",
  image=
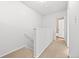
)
(28, 47)
(22, 47)
(43, 50)
(12, 51)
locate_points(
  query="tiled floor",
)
(57, 49)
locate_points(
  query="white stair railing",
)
(42, 38)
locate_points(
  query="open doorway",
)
(60, 28)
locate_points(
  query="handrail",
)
(28, 37)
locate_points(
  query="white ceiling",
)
(47, 7)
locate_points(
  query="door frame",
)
(57, 22)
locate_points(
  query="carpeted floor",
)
(57, 49)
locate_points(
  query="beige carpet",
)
(22, 53)
(57, 49)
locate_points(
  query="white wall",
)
(73, 17)
(47, 33)
(50, 21)
(16, 20)
(43, 39)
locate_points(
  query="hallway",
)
(57, 49)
